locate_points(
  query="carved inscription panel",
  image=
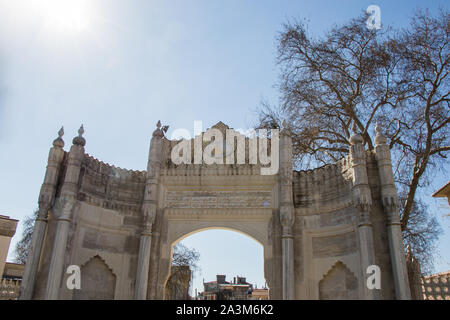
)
(218, 199)
(333, 246)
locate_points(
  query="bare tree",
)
(184, 256)
(184, 264)
(23, 246)
(421, 128)
(356, 76)
(421, 233)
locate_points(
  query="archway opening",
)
(230, 266)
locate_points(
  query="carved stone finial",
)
(80, 131)
(356, 137)
(160, 132)
(59, 142)
(377, 128)
(284, 128)
(61, 132)
(379, 138)
(80, 140)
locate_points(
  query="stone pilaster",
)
(149, 207)
(287, 215)
(63, 213)
(46, 199)
(362, 200)
(389, 199)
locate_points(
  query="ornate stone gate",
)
(320, 229)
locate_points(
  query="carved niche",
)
(338, 284)
(98, 282)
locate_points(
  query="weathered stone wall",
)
(112, 188)
(105, 222)
(326, 226)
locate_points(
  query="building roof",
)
(443, 192)
(214, 281)
(234, 285)
(7, 217)
(440, 274)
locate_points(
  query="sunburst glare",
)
(66, 15)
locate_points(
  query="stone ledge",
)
(251, 214)
(8, 226)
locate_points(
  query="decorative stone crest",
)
(79, 140)
(284, 128)
(356, 137)
(59, 142)
(160, 131)
(379, 138)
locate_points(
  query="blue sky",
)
(120, 66)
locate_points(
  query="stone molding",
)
(243, 214)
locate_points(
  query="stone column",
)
(390, 203)
(46, 199)
(362, 200)
(63, 213)
(143, 266)
(287, 214)
(149, 207)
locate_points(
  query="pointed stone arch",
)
(339, 283)
(98, 281)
